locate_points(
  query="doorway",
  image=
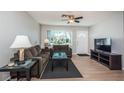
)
(82, 42)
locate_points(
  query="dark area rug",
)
(82, 54)
(60, 71)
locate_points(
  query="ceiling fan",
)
(71, 18)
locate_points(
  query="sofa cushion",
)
(60, 47)
(44, 60)
(34, 51)
(28, 53)
(38, 48)
(44, 55)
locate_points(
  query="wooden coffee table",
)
(59, 57)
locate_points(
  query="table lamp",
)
(46, 43)
(21, 42)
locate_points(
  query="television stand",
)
(111, 60)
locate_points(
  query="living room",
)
(81, 37)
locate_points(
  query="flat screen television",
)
(103, 44)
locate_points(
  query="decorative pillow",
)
(28, 54)
(34, 51)
(38, 48)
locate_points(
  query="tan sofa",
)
(35, 52)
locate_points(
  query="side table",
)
(27, 67)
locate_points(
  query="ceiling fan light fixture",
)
(71, 21)
(71, 18)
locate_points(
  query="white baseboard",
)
(88, 54)
(77, 53)
(7, 79)
(122, 68)
(74, 53)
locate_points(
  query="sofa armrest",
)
(70, 49)
(39, 58)
(13, 59)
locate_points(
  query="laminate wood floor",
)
(91, 71)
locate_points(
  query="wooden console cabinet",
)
(111, 60)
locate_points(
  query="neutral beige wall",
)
(12, 24)
(113, 28)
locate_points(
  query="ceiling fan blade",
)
(79, 17)
(77, 21)
(64, 15)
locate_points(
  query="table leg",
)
(38, 70)
(18, 76)
(67, 65)
(52, 65)
(28, 75)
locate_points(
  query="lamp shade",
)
(46, 41)
(21, 41)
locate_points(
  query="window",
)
(59, 37)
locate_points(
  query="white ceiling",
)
(54, 17)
